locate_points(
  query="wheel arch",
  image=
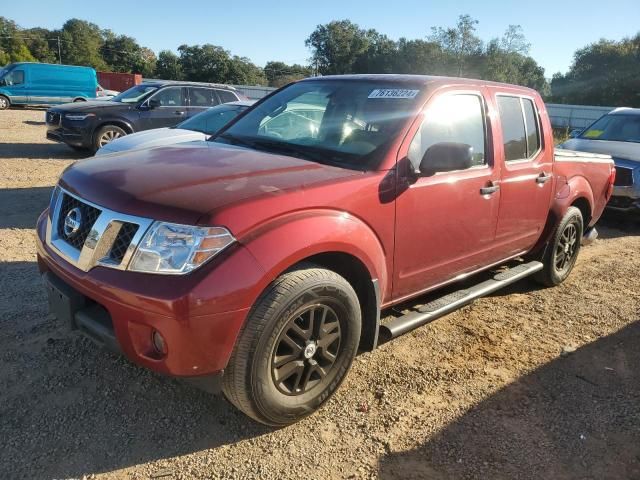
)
(348, 247)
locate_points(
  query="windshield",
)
(621, 128)
(213, 119)
(134, 94)
(349, 123)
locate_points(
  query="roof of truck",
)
(417, 79)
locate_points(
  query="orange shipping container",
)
(118, 81)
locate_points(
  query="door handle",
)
(491, 189)
(543, 178)
(179, 112)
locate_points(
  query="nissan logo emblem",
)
(72, 222)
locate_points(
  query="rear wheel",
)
(296, 347)
(561, 253)
(107, 134)
(4, 102)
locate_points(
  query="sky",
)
(276, 30)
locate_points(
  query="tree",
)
(379, 55)
(168, 66)
(242, 72)
(82, 43)
(418, 57)
(336, 46)
(41, 44)
(206, 63)
(279, 73)
(603, 73)
(124, 54)
(12, 44)
(460, 42)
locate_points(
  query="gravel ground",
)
(529, 383)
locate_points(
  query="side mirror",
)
(153, 103)
(446, 157)
(575, 133)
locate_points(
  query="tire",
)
(4, 102)
(277, 373)
(107, 134)
(560, 255)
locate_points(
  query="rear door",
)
(226, 96)
(201, 99)
(527, 180)
(445, 222)
(171, 110)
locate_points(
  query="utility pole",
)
(59, 51)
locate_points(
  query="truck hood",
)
(158, 137)
(184, 182)
(618, 150)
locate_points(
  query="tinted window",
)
(203, 97)
(226, 96)
(533, 128)
(452, 118)
(621, 128)
(134, 94)
(513, 131)
(169, 97)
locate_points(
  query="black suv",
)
(152, 104)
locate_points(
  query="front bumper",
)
(625, 199)
(198, 314)
(78, 134)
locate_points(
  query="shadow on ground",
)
(69, 408)
(33, 122)
(38, 151)
(576, 417)
(616, 224)
(20, 207)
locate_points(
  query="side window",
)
(16, 77)
(451, 118)
(170, 97)
(533, 127)
(513, 128)
(226, 96)
(202, 97)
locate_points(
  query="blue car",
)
(45, 84)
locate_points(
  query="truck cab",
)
(260, 262)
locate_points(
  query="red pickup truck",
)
(259, 262)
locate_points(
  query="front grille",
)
(53, 118)
(88, 216)
(122, 242)
(624, 177)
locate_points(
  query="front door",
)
(165, 108)
(15, 84)
(445, 222)
(527, 181)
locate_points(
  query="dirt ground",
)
(529, 383)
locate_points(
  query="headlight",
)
(79, 117)
(174, 249)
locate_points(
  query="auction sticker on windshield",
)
(393, 93)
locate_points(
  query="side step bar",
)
(453, 301)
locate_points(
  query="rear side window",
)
(203, 97)
(533, 129)
(513, 132)
(520, 127)
(226, 96)
(451, 118)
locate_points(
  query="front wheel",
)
(561, 253)
(4, 102)
(107, 134)
(295, 348)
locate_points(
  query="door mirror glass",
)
(153, 103)
(446, 157)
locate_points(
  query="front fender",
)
(288, 240)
